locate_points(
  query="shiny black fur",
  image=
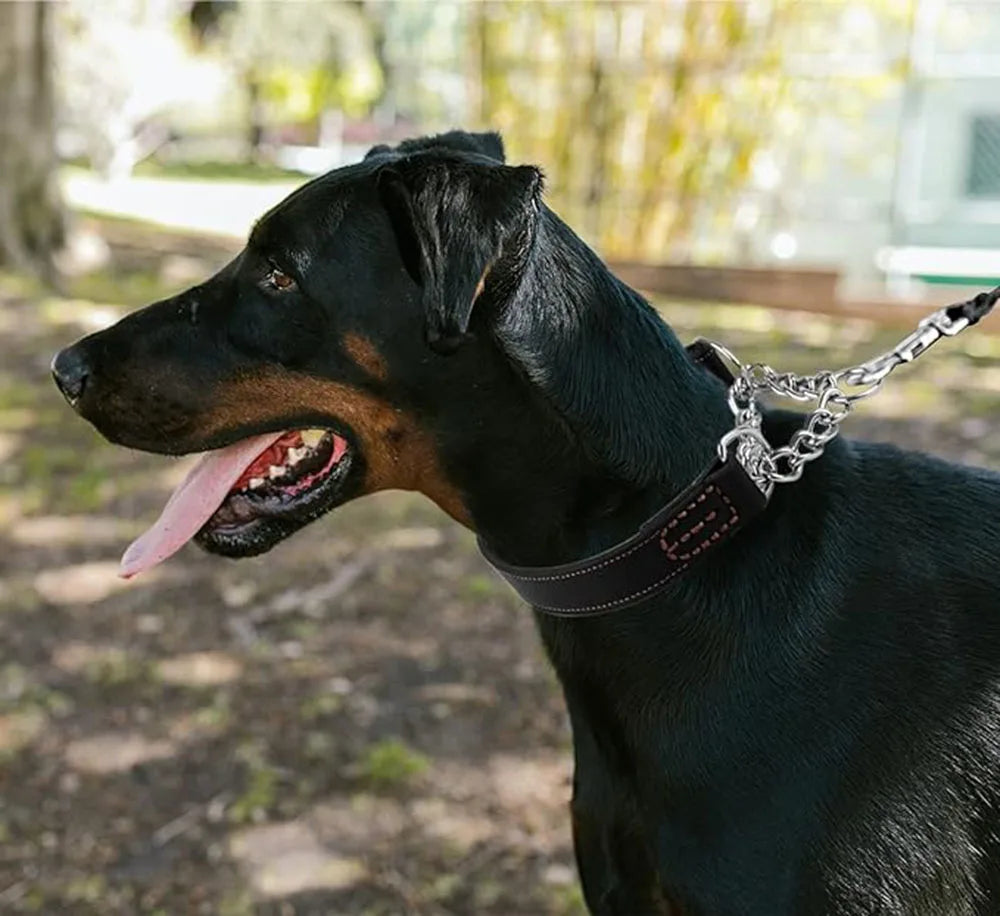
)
(807, 724)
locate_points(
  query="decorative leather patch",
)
(698, 525)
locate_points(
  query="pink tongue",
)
(193, 503)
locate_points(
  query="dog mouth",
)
(242, 499)
(283, 480)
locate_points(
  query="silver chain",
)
(835, 393)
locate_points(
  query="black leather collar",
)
(694, 524)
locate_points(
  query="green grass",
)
(19, 286)
(20, 730)
(260, 786)
(21, 693)
(260, 794)
(481, 586)
(198, 169)
(392, 763)
(568, 901)
(320, 705)
(130, 288)
(216, 171)
(237, 902)
(87, 491)
(115, 668)
(85, 889)
(54, 476)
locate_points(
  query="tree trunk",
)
(31, 216)
(255, 116)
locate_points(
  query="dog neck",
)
(614, 418)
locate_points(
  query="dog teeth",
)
(256, 482)
(276, 471)
(312, 437)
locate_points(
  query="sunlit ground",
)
(360, 721)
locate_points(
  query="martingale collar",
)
(734, 488)
(694, 524)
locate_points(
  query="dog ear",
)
(452, 221)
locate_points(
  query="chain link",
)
(835, 394)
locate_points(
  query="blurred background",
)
(362, 721)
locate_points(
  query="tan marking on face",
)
(481, 285)
(363, 352)
(399, 454)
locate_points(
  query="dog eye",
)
(277, 279)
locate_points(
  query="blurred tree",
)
(654, 118)
(123, 68)
(324, 60)
(31, 219)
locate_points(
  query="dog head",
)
(315, 364)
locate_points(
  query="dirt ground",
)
(361, 721)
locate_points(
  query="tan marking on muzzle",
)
(399, 454)
(363, 352)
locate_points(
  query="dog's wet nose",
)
(71, 370)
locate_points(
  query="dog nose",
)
(71, 371)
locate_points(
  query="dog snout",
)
(71, 370)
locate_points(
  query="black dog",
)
(808, 722)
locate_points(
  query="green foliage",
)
(325, 56)
(304, 94)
